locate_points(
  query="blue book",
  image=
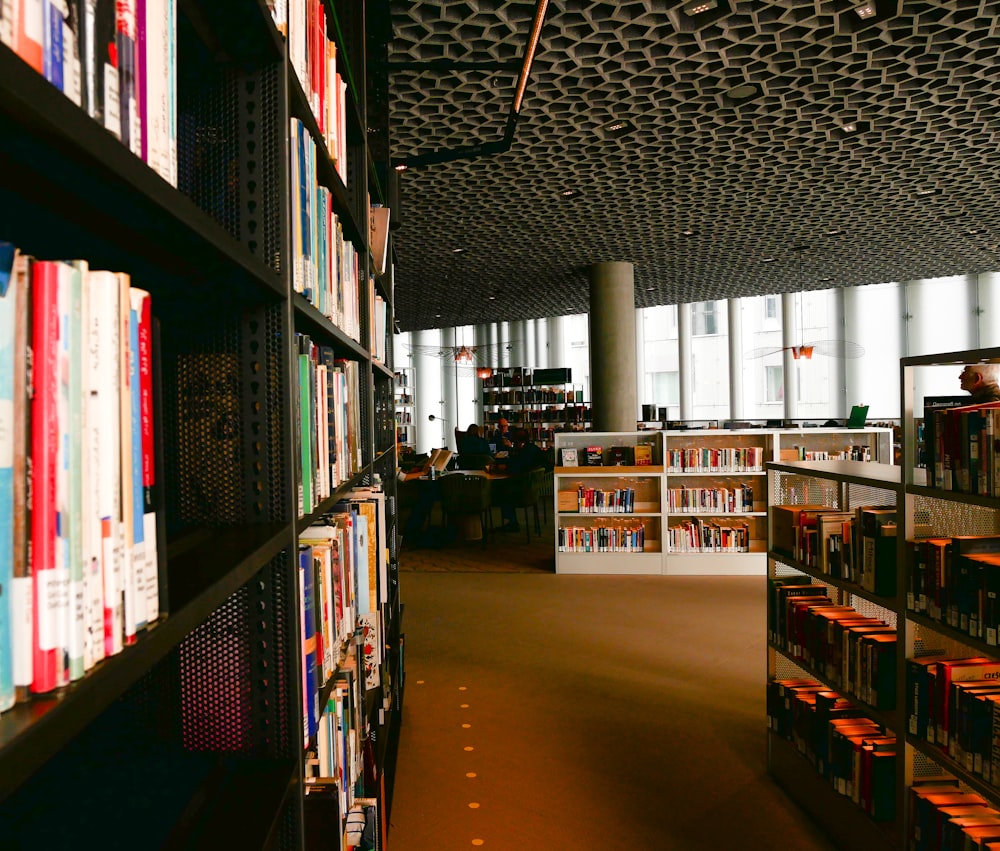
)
(52, 56)
(138, 494)
(310, 680)
(8, 312)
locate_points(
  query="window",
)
(774, 385)
(704, 318)
(770, 307)
(666, 388)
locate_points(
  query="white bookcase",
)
(700, 503)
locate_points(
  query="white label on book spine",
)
(7, 22)
(112, 102)
(22, 596)
(152, 567)
(33, 15)
(76, 600)
(53, 603)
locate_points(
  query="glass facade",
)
(855, 336)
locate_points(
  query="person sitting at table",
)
(501, 436)
(473, 442)
(527, 455)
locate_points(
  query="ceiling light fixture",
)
(866, 11)
(734, 95)
(697, 7)
(767, 260)
(570, 193)
(687, 232)
(617, 128)
(400, 166)
(930, 190)
(457, 250)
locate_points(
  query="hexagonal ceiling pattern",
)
(709, 198)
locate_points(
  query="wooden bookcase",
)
(703, 497)
(920, 511)
(193, 736)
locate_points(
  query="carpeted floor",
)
(582, 713)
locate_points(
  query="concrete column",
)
(494, 332)
(735, 314)
(640, 360)
(542, 344)
(427, 391)
(503, 358)
(685, 361)
(790, 336)
(530, 352)
(515, 339)
(988, 305)
(612, 352)
(838, 369)
(557, 343)
(449, 388)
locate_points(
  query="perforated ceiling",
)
(708, 199)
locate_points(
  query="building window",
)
(705, 319)
(774, 384)
(770, 307)
(666, 387)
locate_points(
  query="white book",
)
(76, 613)
(105, 292)
(130, 567)
(90, 533)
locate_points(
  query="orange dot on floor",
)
(473, 806)
(462, 688)
(470, 774)
(420, 682)
(468, 748)
(466, 726)
(464, 706)
(478, 841)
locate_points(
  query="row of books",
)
(737, 499)
(314, 59)
(640, 455)
(535, 396)
(79, 560)
(328, 422)
(613, 501)
(956, 580)
(960, 449)
(708, 536)
(711, 459)
(953, 704)
(601, 539)
(849, 453)
(404, 417)
(857, 546)
(326, 265)
(117, 59)
(401, 378)
(853, 652)
(853, 753)
(943, 817)
(575, 413)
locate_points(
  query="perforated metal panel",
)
(234, 669)
(956, 518)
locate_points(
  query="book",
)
(9, 410)
(643, 455)
(99, 58)
(621, 456)
(29, 31)
(568, 456)
(307, 605)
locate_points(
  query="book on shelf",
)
(568, 456)
(10, 293)
(643, 453)
(593, 456)
(621, 456)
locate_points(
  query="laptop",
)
(858, 417)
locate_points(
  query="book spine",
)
(9, 308)
(125, 41)
(71, 39)
(47, 577)
(310, 685)
(77, 607)
(52, 46)
(29, 32)
(141, 64)
(143, 304)
(137, 508)
(22, 587)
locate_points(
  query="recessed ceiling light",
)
(492, 298)
(400, 167)
(696, 7)
(618, 127)
(650, 289)
(849, 128)
(457, 250)
(733, 95)
(570, 193)
(687, 232)
(767, 260)
(930, 190)
(866, 11)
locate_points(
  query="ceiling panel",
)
(709, 198)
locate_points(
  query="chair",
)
(474, 461)
(466, 495)
(521, 490)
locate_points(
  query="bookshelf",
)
(543, 401)
(924, 582)
(206, 705)
(704, 509)
(403, 389)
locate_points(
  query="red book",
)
(45, 629)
